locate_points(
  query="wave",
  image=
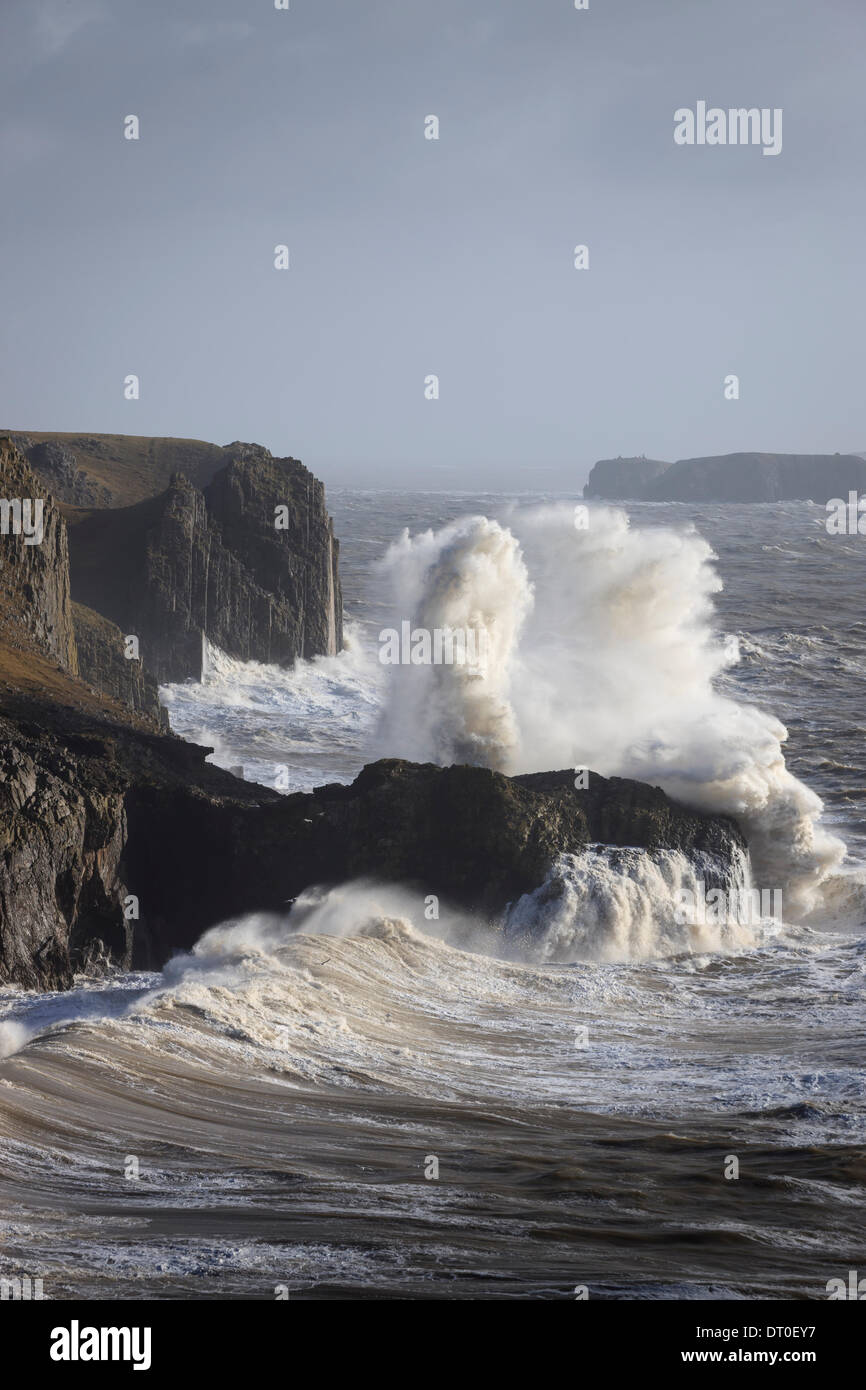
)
(355, 993)
(611, 904)
(361, 973)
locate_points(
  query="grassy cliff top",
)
(132, 466)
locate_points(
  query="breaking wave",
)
(603, 653)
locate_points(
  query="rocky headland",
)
(120, 843)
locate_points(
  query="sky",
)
(411, 257)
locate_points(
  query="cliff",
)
(34, 572)
(191, 563)
(62, 831)
(62, 823)
(104, 665)
(88, 780)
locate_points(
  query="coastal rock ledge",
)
(93, 814)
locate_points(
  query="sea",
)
(374, 1097)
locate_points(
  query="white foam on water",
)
(289, 728)
(13, 1036)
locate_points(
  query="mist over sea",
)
(266, 1112)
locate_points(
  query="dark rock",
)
(189, 564)
(34, 579)
(62, 831)
(103, 664)
(93, 810)
(473, 837)
(298, 565)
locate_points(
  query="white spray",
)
(467, 577)
(603, 654)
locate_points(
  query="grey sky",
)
(453, 257)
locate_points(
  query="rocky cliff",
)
(34, 570)
(104, 664)
(86, 775)
(250, 562)
(62, 832)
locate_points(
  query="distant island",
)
(729, 478)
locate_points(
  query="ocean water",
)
(359, 1101)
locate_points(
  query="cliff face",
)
(622, 477)
(59, 847)
(299, 564)
(62, 832)
(34, 578)
(103, 664)
(188, 564)
(88, 784)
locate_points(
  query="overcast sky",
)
(410, 256)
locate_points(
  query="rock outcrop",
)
(190, 564)
(95, 813)
(72, 769)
